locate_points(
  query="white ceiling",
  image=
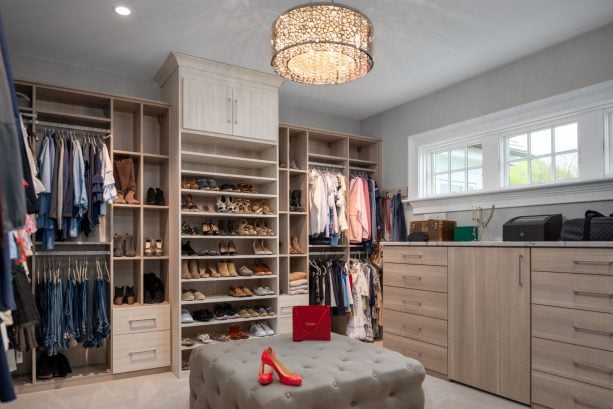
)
(420, 45)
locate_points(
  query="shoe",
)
(205, 338)
(203, 315)
(269, 331)
(158, 250)
(187, 250)
(129, 296)
(223, 248)
(253, 312)
(235, 333)
(186, 317)
(245, 271)
(213, 271)
(295, 199)
(148, 248)
(193, 269)
(222, 269)
(159, 197)
(187, 342)
(295, 247)
(128, 246)
(206, 229)
(285, 376)
(117, 245)
(187, 295)
(231, 229)
(202, 269)
(221, 204)
(257, 331)
(118, 300)
(231, 312)
(214, 228)
(131, 198)
(231, 269)
(185, 274)
(257, 248)
(151, 196)
(198, 296)
(220, 312)
(265, 247)
(231, 248)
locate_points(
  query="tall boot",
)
(120, 199)
(295, 201)
(125, 168)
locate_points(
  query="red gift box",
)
(311, 323)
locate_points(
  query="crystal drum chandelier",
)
(322, 43)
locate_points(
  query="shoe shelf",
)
(126, 206)
(217, 193)
(189, 137)
(228, 176)
(119, 152)
(218, 279)
(218, 237)
(226, 160)
(155, 207)
(218, 322)
(315, 157)
(236, 257)
(233, 215)
(212, 299)
(155, 158)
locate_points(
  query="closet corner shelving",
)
(138, 129)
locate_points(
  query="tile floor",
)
(165, 391)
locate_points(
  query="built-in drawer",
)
(579, 291)
(429, 278)
(560, 393)
(129, 320)
(586, 328)
(433, 256)
(589, 365)
(424, 329)
(432, 357)
(418, 302)
(571, 260)
(287, 303)
(136, 352)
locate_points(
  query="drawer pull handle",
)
(411, 255)
(521, 262)
(589, 405)
(143, 319)
(406, 277)
(418, 303)
(591, 294)
(594, 368)
(410, 328)
(593, 331)
(594, 262)
(146, 351)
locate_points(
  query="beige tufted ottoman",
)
(339, 374)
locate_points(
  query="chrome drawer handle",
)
(589, 405)
(520, 274)
(415, 329)
(593, 331)
(146, 351)
(230, 112)
(418, 303)
(411, 255)
(591, 294)
(594, 368)
(594, 262)
(143, 319)
(406, 277)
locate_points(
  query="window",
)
(457, 170)
(543, 156)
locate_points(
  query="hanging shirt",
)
(110, 192)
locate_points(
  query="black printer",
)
(533, 228)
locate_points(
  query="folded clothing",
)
(298, 275)
(296, 292)
(301, 281)
(299, 287)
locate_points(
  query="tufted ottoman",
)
(339, 374)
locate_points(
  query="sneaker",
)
(257, 330)
(186, 317)
(231, 312)
(203, 315)
(220, 312)
(265, 327)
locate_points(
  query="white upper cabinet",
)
(220, 98)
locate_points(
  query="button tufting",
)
(353, 403)
(335, 384)
(288, 395)
(374, 374)
(392, 394)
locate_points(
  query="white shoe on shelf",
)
(257, 330)
(265, 327)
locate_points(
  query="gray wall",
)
(576, 63)
(305, 117)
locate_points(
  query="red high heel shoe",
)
(285, 375)
(264, 377)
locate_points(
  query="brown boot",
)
(120, 199)
(128, 246)
(125, 169)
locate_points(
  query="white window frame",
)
(588, 107)
(432, 174)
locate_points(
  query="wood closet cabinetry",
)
(489, 319)
(229, 106)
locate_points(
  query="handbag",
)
(601, 229)
(311, 323)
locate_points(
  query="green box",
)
(465, 233)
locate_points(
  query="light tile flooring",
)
(165, 391)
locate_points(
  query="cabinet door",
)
(207, 106)
(489, 320)
(255, 113)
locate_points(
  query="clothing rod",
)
(326, 165)
(72, 253)
(361, 169)
(71, 127)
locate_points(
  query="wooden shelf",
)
(155, 207)
(155, 158)
(219, 237)
(298, 171)
(74, 119)
(362, 162)
(217, 299)
(126, 153)
(225, 141)
(229, 215)
(228, 176)
(226, 160)
(237, 257)
(326, 158)
(220, 322)
(215, 193)
(218, 279)
(126, 206)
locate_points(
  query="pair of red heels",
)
(285, 375)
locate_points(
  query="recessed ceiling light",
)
(123, 11)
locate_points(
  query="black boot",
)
(151, 196)
(130, 296)
(118, 300)
(295, 201)
(186, 249)
(159, 197)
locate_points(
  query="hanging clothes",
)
(327, 214)
(366, 292)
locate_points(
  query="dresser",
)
(415, 305)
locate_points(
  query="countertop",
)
(575, 244)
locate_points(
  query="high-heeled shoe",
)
(257, 248)
(206, 229)
(223, 248)
(265, 248)
(222, 269)
(222, 204)
(231, 248)
(285, 375)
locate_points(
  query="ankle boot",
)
(117, 245)
(187, 250)
(130, 296)
(151, 196)
(128, 246)
(159, 197)
(118, 299)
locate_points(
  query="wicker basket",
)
(437, 230)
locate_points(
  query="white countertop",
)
(579, 244)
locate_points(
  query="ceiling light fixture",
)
(322, 43)
(123, 10)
